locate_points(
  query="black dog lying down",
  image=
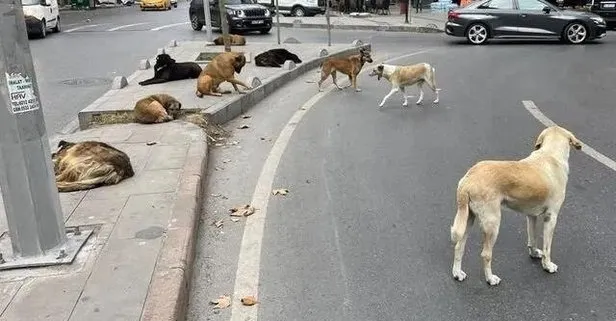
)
(166, 69)
(275, 58)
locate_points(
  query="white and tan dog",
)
(404, 76)
(534, 186)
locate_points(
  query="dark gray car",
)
(534, 19)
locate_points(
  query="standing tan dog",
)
(222, 68)
(157, 108)
(404, 76)
(534, 186)
(89, 164)
(350, 66)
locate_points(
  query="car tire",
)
(194, 22)
(43, 29)
(477, 34)
(575, 33)
(57, 28)
(175, 5)
(298, 11)
(265, 31)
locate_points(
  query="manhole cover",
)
(85, 82)
(206, 56)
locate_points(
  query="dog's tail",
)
(64, 187)
(104, 175)
(459, 224)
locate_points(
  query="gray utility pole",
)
(329, 26)
(277, 22)
(225, 24)
(408, 13)
(27, 179)
(208, 20)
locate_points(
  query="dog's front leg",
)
(236, 82)
(393, 90)
(531, 231)
(549, 223)
(421, 93)
(406, 100)
(354, 82)
(334, 80)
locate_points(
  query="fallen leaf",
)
(244, 210)
(150, 143)
(243, 127)
(249, 300)
(218, 168)
(233, 143)
(310, 81)
(226, 160)
(246, 116)
(282, 191)
(224, 301)
(218, 224)
(219, 144)
(215, 195)
(262, 138)
(235, 219)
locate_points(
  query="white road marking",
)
(126, 26)
(249, 263)
(170, 26)
(82, 27)
(534, 110)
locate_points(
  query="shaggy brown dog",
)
(222, 68)
(350, 66)
(89, 164)
(157, 108)
(234, 40)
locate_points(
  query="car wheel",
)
(57, 27)
(477, 34)
(576, 33)
(194, 22)
(264, 31)
(43, 29)
(298, 11)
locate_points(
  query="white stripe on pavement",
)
(170, 26)
(126, 26)
(80, 28)
(249, 262)
(534, 110)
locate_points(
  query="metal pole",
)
(225, 24)
(27, 178)
(329, 27)
(208, 20)
(277, 22)
(408, 13)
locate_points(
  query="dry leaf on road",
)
(249, 300)
(243, 127)
(224, 301)
(246, 116)
(150, 143)
(282, 191)
(244, 210)
(218, 224)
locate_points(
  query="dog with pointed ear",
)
(557, 132)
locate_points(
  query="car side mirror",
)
(546, 9)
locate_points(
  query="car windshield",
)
(239, 2)
(30, 2)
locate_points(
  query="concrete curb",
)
(226, 111)
(362, 27)
(167, 297)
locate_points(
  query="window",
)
(497, 4)
(532, 5)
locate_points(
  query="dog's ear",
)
(380, 73)
(576, 143)
(539, 141)
(63, 143)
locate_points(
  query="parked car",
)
(242, 15)
(41, 15)
(533, 19)
(297, 8)
(155, 4)
(605, 9)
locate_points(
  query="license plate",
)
(609, 5)
(257, 22)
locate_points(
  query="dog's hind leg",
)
(549, 223)
(490, 224)
(431, 82)
(393, 90)
(458, 251)
(236, 82)
(531, 230)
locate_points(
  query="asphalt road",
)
(364, 232)
(76, 66)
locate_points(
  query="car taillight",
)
(451, 15)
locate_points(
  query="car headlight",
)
(267, 13)
(237, 13)
(598, 20)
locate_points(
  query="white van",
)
(297, 8)
(41, 16)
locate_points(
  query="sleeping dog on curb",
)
(404, 76)
(166, 69)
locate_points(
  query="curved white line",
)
(170, 26)
(534, 110)
(249, 262)
(126, 26)
(82, 27)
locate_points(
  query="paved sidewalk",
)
(137, 250)
(426, 21)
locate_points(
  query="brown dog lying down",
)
(234, 40)
(222, 68)
(89, 164)
(350, 66)
(158, 108)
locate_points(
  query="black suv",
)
(242, 15)
(606, 9)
